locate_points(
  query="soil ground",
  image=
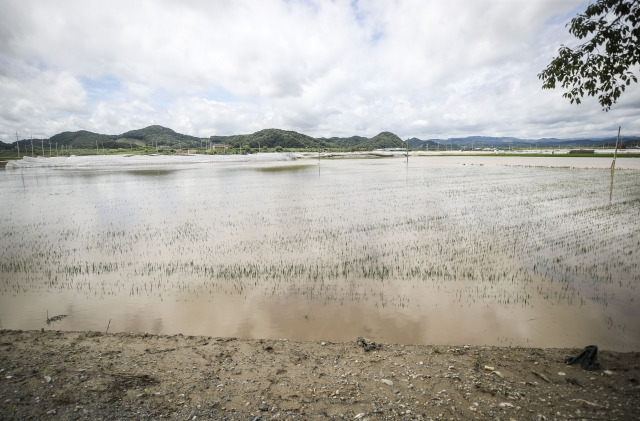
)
(91, 375)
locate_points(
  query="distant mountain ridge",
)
(506, 142)
(159, 136)
(149, 136)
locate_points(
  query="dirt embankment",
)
(89, 375)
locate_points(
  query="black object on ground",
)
(368, 345)
(588, 358)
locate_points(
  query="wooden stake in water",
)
(615, 151)
(613, 165)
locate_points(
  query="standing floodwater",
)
(442, 250)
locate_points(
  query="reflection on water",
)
(151, 172)
(442, 250)
(287, 167)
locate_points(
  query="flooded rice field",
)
(442, 250)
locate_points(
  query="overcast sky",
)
(429, 69)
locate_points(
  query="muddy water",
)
(444, 250)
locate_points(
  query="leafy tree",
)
(599, 66)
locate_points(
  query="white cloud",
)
(425, 69)
(34, 101)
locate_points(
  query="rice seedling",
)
(361, 233)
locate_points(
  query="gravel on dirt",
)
(90, 375)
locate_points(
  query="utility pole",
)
(18, 143)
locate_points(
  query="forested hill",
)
(163, 137)
(271, 138)
(159, 136)
(149, 136)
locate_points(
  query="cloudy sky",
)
(423, 68)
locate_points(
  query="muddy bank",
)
(91, 375)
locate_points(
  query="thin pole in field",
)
(613, 165)
(407, 151)
(31, 146)
(615, 151)
(97, 150)
(18, 143)
(42, 146)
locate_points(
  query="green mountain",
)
(149, 136)
(384, 140)
(358, 143)
(164, 137)
(159, 136)
(270, 138)
(83, 139)
(353, 142)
